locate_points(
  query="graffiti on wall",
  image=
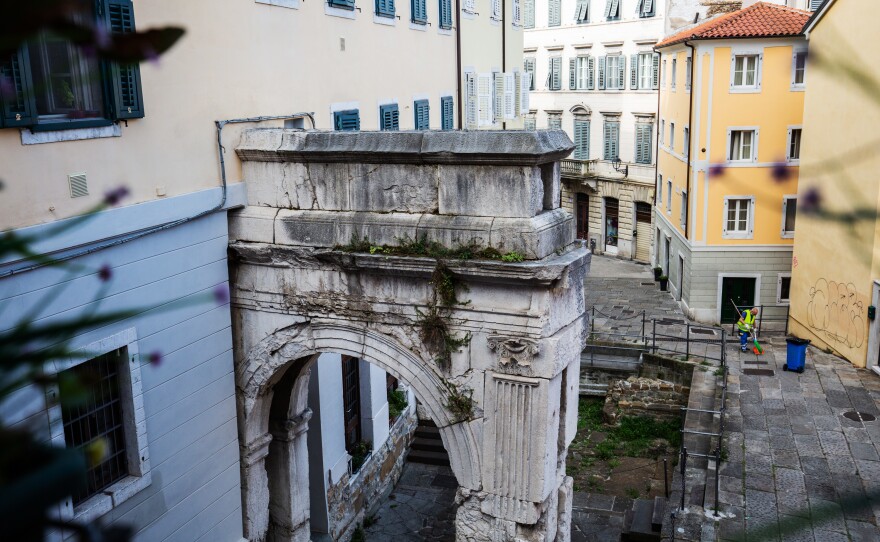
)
(836, 312)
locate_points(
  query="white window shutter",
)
(517, 12)
(509, 96)
(472, 107)
(484, 99)
(496, 10)
(498, 103)
(525, 84)
(517, 95)
(470, 6)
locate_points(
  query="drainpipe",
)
(458, 73)
(687, 202)
(503, 47)
(657, 139)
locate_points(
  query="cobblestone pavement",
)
(421, 507)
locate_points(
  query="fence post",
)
(654, 337)
(761, 319)
(723, 347)
(684, 459)
(644, 338)
(717, 474)
(687, 342)
(666, 477)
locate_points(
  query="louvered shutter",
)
(517, 12)
(419, 11)
(125, 79)
(572, 73)
(634, 72)
(529, 67)
(615, 9)
(446, 14)
(470, 6)
(554, 14)
(582, 11)
(385, 8)
(591, 73)
(509, 96)
(814, 4)
(446, 113)
(644, 140)
(655, 71)
(484, 99)
(621, 72)
(648, 8)
(471, 101)
(608, 4)
(556, 79)
(346, 121)
(389, 117)
(581, 139)
(517, 95)
(421, 115)
(498, 99)
(17, 91)
(496, 10)
(612, 133)
(601, 73)
(525, 85)
(529, 13)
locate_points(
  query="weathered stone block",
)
(386, 188)
(252, 224)
(535, 238)
(453, 231)
(512, 192)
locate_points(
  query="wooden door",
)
(643, 232)
(739, 289)
(582, 214)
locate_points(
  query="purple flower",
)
(780, 172)
(810, 201)
(105, 273)
(113, 197)
(716, 170)
(221, 294)
(155, 358)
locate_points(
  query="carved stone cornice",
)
(513, 350)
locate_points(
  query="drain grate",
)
(859, 416)
(755, 362)
(758, 372)
(647, 284)
(703, 331)
(444, 480)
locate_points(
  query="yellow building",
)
(836, 269)
(731, 104)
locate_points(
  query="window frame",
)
(447, 112)
(749, 233)
(582, 77)
(582, 6)
(382, 108)
(759, 63)
(754, 146)
(672, 137)
(553, 118)
(784, 233)
(553, 22)
(137, 444)
(385, 8)
(672, 74)
(645, 64)
(529, 64)
(610, 121)
(609, 8)
(643, 122)
(686, 142)
(417, 108)
(552, 61)
(581, 153)
(779, 300)
(644, 14)
(788, 141)
(669, 196)
(798, 51)
(660, 188)
(683, 210)
(688, 72)
(617, 77)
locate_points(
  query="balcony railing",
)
(602, 169)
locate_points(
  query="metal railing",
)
(766, 313)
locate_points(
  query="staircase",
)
(644, 520)
(427, 447)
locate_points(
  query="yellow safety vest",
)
(748, 319)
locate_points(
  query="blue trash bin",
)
(795, 354)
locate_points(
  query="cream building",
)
(71, 132)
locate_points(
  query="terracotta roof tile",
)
(760, 20)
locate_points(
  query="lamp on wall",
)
(616, 164)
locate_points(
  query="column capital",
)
(256, 450)
(289, 429)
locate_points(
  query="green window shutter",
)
(419, 11)
(655, 72)
(591, 73)
(582, 139)
(344, 4)
(347, 121)
(529, 67)
(529, 12)
(601, 73)
(446, 112)
(17, 91)
(644, 140)
(582, 12)
(555, 13)
(389, 117)
(422, 119)
(648, 8)
(126, 100)
(446, 14)
(614, 10)
(621, 72)
(634, 72)
(572, 73)
(611, 144)
(557, 74)
(385, 8)
(608, 9)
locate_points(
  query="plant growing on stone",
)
(397, 403)
(359, 454)
(460, 402)
(434, 325)
(513, 257)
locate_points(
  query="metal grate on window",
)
(351, 401)
(96, 413)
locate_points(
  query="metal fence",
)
(771, 314)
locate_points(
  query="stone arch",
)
(580, 110)
(295, 348)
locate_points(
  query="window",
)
(783, 289)
(614, 69)
(517, 12)
(659, 189)
(799, 69)
(469, 6)
(646, 8)
(794, 145)
(351, 401)
(385, 8)
(662, 131)
(495, 13)
(529, 68)
(815, 4)
(612, 10)
(582, 12)
(669, 196)
(687, 142)
(642, 71)
(529, 122)
(743, 145)
(738, 217)
(471, 101)
(554, 121)
(484, 99)
(525, 82)
(672, 136)
(789, 214)
(445, 14)
(421, 114)
(554, 75)
(644, 142)
(529, 15)
(612, 140)
(663, 75)
(688, 67)
(446, 112)
(343, 4)
(389, 117)
(347, 121)
(745, 72)
(584, 73)
(672, 76)
(683, 211)
(420, 11)
(554, 15)
(581, 139)
(54, 84)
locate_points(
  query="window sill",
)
(110, 498)
(737, 237)
(787, 235)
(55, 133)
(745, 90)
(292, 4)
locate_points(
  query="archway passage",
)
(501, 384)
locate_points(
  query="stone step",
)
(638, 525)
(428, 432)
(597, 390)
(428, 458)
(659, 513)
(428, 444)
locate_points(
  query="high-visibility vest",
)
(748, 319)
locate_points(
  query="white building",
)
(153, 129)
(596, 77)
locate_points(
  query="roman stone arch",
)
(310, 274)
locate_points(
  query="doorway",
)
(680, 276)
(668, 247)
(741, 290)
(612, 208)
(582, 213)
(643, 231)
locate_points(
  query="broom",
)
(757, 349)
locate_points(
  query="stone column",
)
(255, 487)
(288, 470)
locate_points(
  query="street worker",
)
(746, 325)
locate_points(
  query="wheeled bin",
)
(795, 354)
